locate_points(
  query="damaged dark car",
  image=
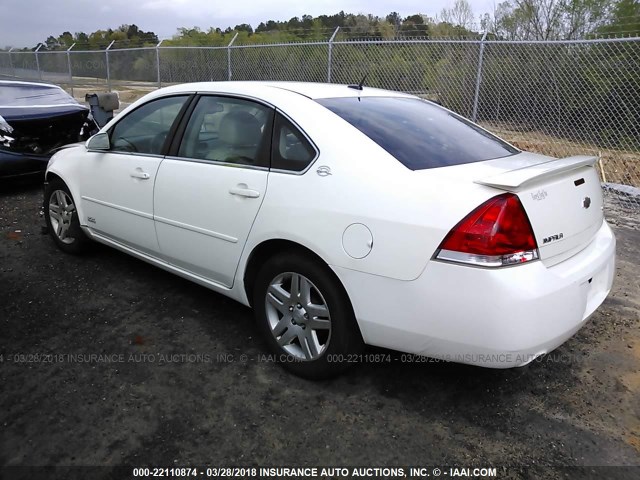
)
(36, 120)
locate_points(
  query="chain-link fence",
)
(185, 64)
(89, 68)
(440, 70)
(567, 98)
(306, 62)
(558, 98)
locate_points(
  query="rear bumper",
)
(498, 318)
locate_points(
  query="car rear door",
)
(209, 189)
(117, 185)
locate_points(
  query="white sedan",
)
(345, 215)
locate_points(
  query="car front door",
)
(209, 190)
(117, 185)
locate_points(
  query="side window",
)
(290, 148)
(146, 128)
(228, 130)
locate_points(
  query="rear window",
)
(418, 133)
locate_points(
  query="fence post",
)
(11, 63)
(474, 115)
(38, 61)
(106, 54)
(229, 54)
(331, 54)
(158, 62)
(69, 65)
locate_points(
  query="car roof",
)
(307, 89)
(333, 90)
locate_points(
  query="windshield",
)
(418, 133)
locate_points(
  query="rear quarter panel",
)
(408, 213)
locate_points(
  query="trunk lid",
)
(562, 198)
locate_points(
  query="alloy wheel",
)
(298, 316)
(61, 210)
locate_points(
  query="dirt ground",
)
(106, 360)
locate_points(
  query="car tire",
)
(305, 316)
(61, 218)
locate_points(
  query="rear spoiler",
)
(515, 179)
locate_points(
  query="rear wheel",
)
(305, 316)
(61, 217)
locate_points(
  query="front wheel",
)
(61, 217)
(305, 316)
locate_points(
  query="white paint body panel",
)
(357, 240)
(122, 205)
(497, 318)
(201, 227)
(401, 297)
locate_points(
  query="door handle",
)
(242, 191)
(140, 174)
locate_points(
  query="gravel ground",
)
(161, 388)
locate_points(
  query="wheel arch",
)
(272, 247)
(283, 256)
(51, 175)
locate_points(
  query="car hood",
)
(23, 101)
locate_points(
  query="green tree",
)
(414, 26)
(459, 15)
(244, 27)
(549, 19)
(623, 20)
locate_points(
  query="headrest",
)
(240, 129)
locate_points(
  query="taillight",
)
(495, 234)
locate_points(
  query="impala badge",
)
(323, 171)
(553, 238)
(586, 202)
